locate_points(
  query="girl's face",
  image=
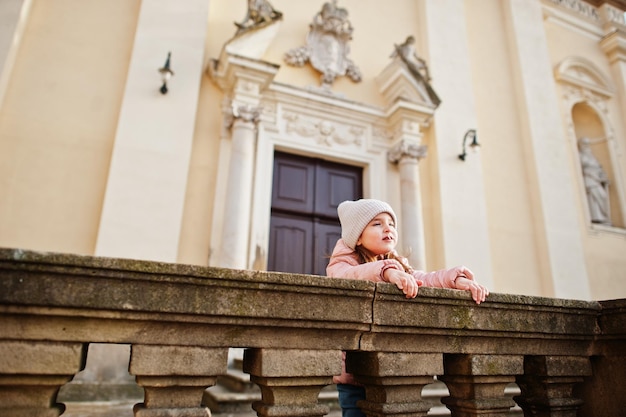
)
(380, 235)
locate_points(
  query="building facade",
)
(275, 113)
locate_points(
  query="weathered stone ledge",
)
(180, 321)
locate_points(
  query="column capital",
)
(246, 112)
(406, 149)
(241, 112)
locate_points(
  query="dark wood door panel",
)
(326, 236)
(291, 242)
(335, 184)
(293, 184)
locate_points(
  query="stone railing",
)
(567, 357)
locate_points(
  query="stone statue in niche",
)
(327, 46)
(596, 184)
(260, 13)
(417, 67)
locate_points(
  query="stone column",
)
(407, 155)
(394, 381)
(291, 380)
(32, 374)
(477, 382)
(238, 197)
(243, 81)
(548, 385)
(174, 378)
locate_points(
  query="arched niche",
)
(588, 125)
(586, 93)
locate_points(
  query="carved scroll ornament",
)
(327, 46)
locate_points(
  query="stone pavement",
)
(99, 409)
(125, 409)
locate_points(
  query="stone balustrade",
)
(567, 357)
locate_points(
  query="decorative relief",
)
(247, 113)
(259, 14)
(574, 94)
(327, 46)
(246, 86)
(596, 183)
(418, 68)
(244, 112)
(324, 131)
(582, 81)
(613, 14)
(269, 114)
(406, 149)
(580, 7)
(581, 72)
(382, 133)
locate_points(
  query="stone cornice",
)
(621, 4)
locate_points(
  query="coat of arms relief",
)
(327, 47)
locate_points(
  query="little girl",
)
(366, 251)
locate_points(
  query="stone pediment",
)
(397, 83)
(582, 73)
(253, 42)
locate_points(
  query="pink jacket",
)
(344, 263)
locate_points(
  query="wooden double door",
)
(304, 226)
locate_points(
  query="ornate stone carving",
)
(382, 133)
(612, 14)
(580, 7)
(260, 13)
(247, 113)
(327, 46)
(406, 149)
(596, 183)
(324, 131)
(243, 112)
(417, 67)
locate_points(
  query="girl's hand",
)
(479, 292)
(404, 281)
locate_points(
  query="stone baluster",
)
(547, 386)
(174, 378)
(477, 382)
(394, 381)
(291, 380)
(32, 374)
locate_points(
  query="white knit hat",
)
(355, 215)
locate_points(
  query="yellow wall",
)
(512, 238)
(58, 122)
(194, 245)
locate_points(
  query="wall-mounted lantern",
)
(474, 145)
(166, 73)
